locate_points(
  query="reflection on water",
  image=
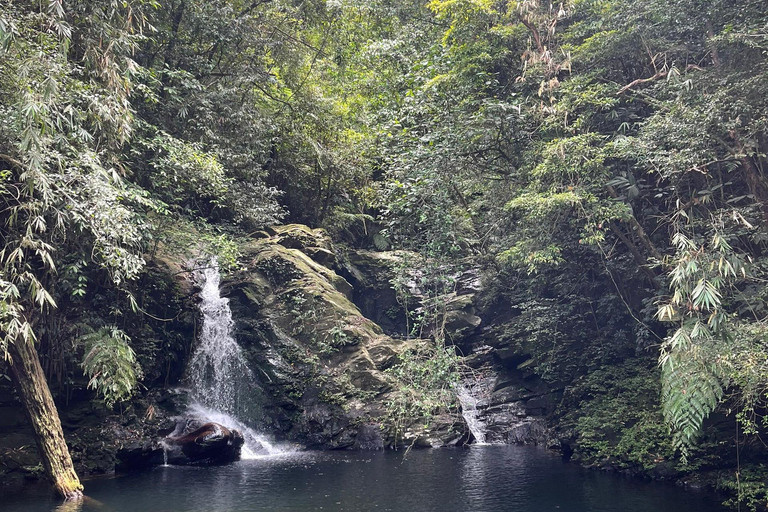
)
(84, 504)
(70, 506)
(480, 479)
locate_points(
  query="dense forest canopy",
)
(556, 145)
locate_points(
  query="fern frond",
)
(381, 242)
(691, 391)
(110, 364)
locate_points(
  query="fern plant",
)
(692, 376)
(110, 364)
(691, 389)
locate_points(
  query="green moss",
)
(333, 354)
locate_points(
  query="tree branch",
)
(15, 163)
(534, 33)
(639, 230)
(642, 263)
(659, 74)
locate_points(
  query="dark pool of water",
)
(479, 479)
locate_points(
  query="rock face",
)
(320, 329)
(210, 443)
(517, 403)
(320, 362)
(371, 275)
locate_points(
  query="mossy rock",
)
(315, 243)
(320, 360)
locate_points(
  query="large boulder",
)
(190, 444)
(211, 443)
(321, 363)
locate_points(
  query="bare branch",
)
(659, 74)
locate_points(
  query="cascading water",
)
(470, 413)
(217, 366)
(472, 394)
(218, 374)
(255, 444)
(165, 452)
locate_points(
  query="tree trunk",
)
(642, 263)
(32, 388)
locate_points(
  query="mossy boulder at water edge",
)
(321, 363)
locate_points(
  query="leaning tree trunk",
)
(32, 388)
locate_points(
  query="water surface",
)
(479, 479)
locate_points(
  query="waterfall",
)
(217, 368)
(218, 374)
(469, 411)
(255, 445)
(474, 393)
(165, 452)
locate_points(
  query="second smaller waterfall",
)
(474, 393)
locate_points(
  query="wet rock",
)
(370, 380)
(371, 274)
(207, 444)
(22, 458)
(299, 236)
(506, 395)
(460, 318)
(319, 360)
(322, 256)
(530, 431)
(211, 443)
(665, 470)
(369, 437)
(538, 406)
(138, 455)
(383, 356)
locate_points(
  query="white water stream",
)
(256, 445)
(218, 374)
(470, 413)
(474, 393)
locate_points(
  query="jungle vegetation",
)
(536, 139)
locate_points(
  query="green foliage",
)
(181, 237)
(186, 175)
(618, 422)
(563, 331)
(110, 364)
(749, 487)
(426, 378)
(64, 121)
(600, 130)
(692, 381)
(743, 368)
(691, 390)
